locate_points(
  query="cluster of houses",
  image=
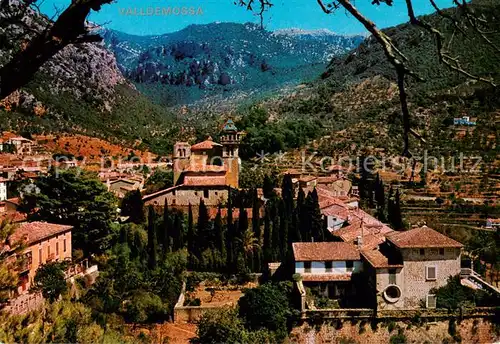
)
(400, 267)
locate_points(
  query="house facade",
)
(327, 266)
(45, 242)
(408, 265)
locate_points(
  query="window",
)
(392, 276)
(441, 251)
(196, 193)
(307, 266)
(48, 251)
(328, 266)
(349, 265)
(40, 256)
(422, 252)
(431, 301)
(205, 193)
(57, 248)
(434, 251)
(216, 193)
(64, 245)
(430, 273)
(173, 193)
(173, 201)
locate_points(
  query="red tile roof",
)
(378, 260)
(14, 217)
(14, 200)
(325, 277)
(422, 237)
(324, 251)
(33, 232)
(205, 145)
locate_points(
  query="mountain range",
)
(221, 58)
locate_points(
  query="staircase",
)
(477, 279)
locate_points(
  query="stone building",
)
(209, 159)
(408, 265)
(204, 171)
(44, 242)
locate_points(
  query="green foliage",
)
(132, 206)
(50, 280)
(60, 322)
(267, 307)
(398, 338)
(221, 326)
(159, 180)
(8, 275)
(77, 198)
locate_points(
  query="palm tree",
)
(249, 242)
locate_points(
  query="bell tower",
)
(182, 155)
(231, 139)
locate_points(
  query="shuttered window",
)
(431, 301)
(430, 273)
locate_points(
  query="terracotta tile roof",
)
(324, 251)
(325, 277)
(33, 232)
(378, 260)
(307, 179)
(493, 220)
(14, 217)
(158, 193)
(421, 238)
(15, 200)
(205, 145)
(204, 181)
(327, 180)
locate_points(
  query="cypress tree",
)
(284, 227)
(380, 198)
(191, 239)
(177, 232)
(203, 233)
(268, 187)
(256, 215)
(219, 232)
(152, 245)
(301, 221)
(276, 242)
(314, 217)
(167, 229)
(230, 259)
(267, 237)
(132, 206)
(398, 217)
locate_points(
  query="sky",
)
(125, 15)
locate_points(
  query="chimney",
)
(359, 241)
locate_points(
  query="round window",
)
(392, 293)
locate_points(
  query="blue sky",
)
(303, 14)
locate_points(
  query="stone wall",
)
(24, 304)
(182, 197)
(416, 287)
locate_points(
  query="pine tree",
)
(152, 244)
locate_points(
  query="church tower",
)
(182, 155)
(231, 139)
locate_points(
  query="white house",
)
(3, 189)
(327, 265)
